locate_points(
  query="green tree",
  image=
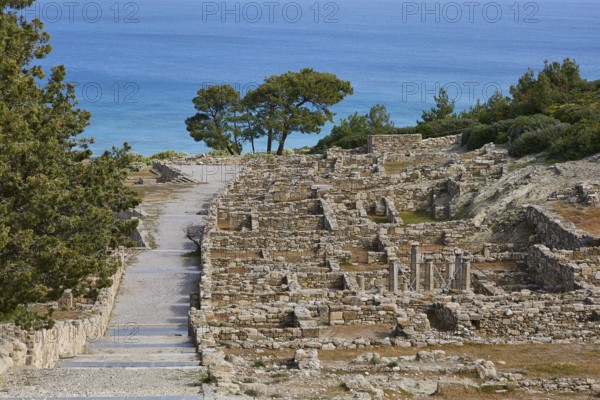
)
(495, 109)
(444, 107)
(218, 120)
(299, 102)
(57, 204)
(554, 84)
(353, 131)
(261, 104)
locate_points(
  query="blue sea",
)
(138, 64)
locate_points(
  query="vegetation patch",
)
(416, 217)
(557, 369)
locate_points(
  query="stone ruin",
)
(301, 252)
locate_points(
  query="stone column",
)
(415, 267)
(449, 272)
(361, 282)
(393, 277)
(486, 250)
(466, 273)
(457, 281)
(429, 270)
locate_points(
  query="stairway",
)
(146, 353)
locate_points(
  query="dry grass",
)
(359, 255)
(535, 360)
(539, 360)
(585, 218)
(394, 168)
(56, 314)
(161, 193)
(224, 224)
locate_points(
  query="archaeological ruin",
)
(408, 243)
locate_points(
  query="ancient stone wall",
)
(43, 348)
(553, 232)
(564, 270)
(392, 143)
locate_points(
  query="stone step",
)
(133, 333)
(158, 346)
(127, 364)
(136, 351)
(114, 341)
(145, 357)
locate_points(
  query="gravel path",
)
(146, 351)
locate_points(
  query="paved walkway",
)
(146, 351)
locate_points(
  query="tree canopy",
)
(444, 107)
(353, 131)
(283, 104)
(218, 120)
(58, 205)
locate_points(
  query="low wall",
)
(516, 316)
(43, 348)
(549, 271)
(395, 143)
(565, 270)
(553, 233)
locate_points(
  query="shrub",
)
(478, 136)
(444, 127)
(574, 113)
(529, 123)
(532, 142)
(580, 141)
(28, 319)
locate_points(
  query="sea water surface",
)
(138, 64)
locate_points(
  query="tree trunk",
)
(230, 150)
(252, 143)
(269, 141)
(281, 144)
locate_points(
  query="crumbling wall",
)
(43, 348)
(552, 231)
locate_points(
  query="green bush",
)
(445, 127)
(580, 141)
(166, 155)
(533, 142)
(478, 136)
(28, 319)
(574, 113)
(529, 123)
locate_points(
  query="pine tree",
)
(57, 204)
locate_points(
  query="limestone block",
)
(307, 359)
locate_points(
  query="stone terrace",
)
(301, 251)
